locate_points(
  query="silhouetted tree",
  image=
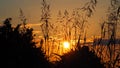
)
(22, 52)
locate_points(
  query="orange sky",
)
(32, 11)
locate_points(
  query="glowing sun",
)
(66, 45)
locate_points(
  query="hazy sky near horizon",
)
(32, 11)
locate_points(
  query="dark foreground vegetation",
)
(80, 58)
(22, 52)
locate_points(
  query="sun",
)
(66, 45)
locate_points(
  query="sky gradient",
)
(32, 11)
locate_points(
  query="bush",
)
(82, 58)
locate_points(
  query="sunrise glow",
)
(66, 45)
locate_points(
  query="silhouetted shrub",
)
(82, 58)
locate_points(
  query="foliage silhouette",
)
(46, 24)
(22, 52)
(81, 58)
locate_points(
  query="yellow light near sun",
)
(66, 45)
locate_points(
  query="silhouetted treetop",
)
(21, 49)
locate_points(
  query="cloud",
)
(33, 25)
(36, 32)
